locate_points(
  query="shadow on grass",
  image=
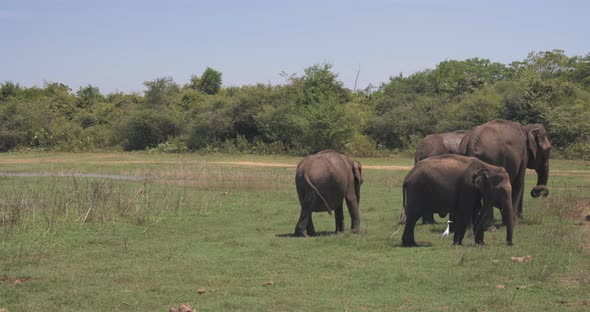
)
(420, 244)
(441, 230)
(317, 234)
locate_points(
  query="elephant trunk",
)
(542, 176)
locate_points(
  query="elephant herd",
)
(463, 173)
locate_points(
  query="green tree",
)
(209, 82)
(9, 89)
(161, 92)
(88, 96)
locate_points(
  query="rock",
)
(269, 283)
(522, 259)
(202, 291)
(185, 307)
(501, 286)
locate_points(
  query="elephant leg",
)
(402, 217)
(478, 218)
(487, 223)
(460, 228)
(355, 214)
(304, 218)
(408, 239)
(310, 227)
(339, 217)
(518, 194)
(428, 219)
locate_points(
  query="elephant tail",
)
(318, 192)
(405, 204)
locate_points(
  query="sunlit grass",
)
(93, 244)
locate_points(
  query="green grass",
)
(150, 245)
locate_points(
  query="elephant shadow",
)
(420, 244)
(317, 234)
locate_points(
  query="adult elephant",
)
(515, 148)
(456, 184)
(323, 181)
(435, 145)
(440, 144)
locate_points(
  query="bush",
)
(578, 150)
(9, 140)
(361, 146)
(148, 128)
(174, 145)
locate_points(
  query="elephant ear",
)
(357, 171)
(480, 179)
(532, 142)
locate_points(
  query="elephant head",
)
(538, 147)
(494, 185)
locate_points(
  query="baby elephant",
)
(456, 184)
(323, 180)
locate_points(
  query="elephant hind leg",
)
(408, 239)
(305, 216)
(339, 217)
(428, 218)
(355, 214)
(310, 227)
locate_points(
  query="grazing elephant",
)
(515, 147)
(435, 145)
(323, 180)
(456, 184)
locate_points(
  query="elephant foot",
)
(480, 242)
(355, 231)
(299, 234)
(409, 244)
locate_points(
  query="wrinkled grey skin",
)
(440, 144)
(458, 185)
(323, 181)
(515, 148)
(435, 145)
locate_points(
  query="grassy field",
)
(217, 222)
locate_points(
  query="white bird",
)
(446, 232)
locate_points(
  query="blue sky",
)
(117, 45)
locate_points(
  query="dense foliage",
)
(309, 112)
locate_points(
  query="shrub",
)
(148, 128)
(578, 150)
(360, 145)
(173, 145)
(9, 140)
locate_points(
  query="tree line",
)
(310, 111)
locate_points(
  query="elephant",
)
(323, 181)
(435, 145)
(456, 184)
(515, 147)
(440, 144)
